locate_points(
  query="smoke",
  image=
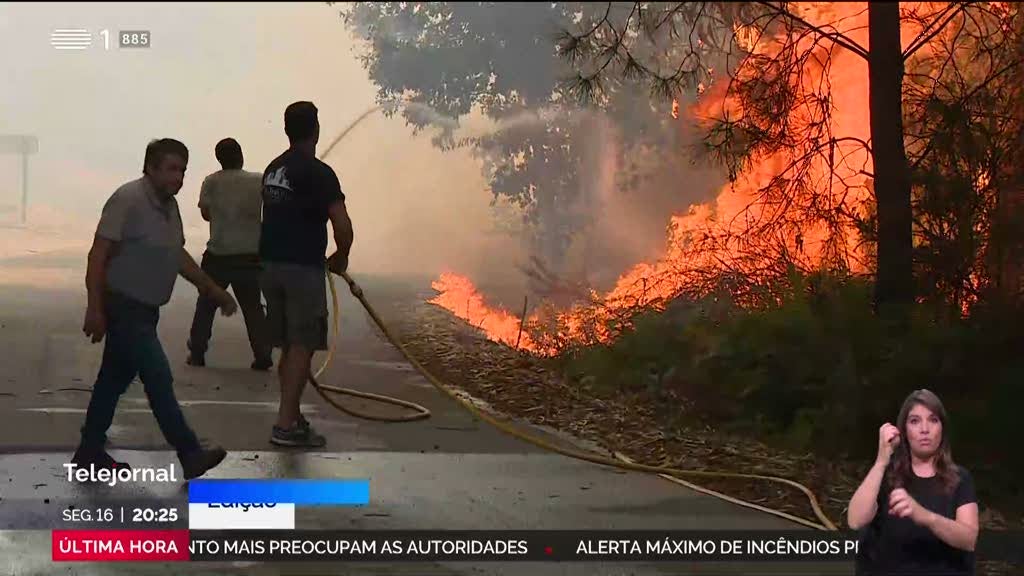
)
(421, 114)
(477, 125)
(417, 211)
(625, 198)
(628, 194)
(541, 118)
(596, 203)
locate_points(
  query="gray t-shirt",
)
(234, 199)
(149, 242)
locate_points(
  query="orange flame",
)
(728, 217)
(460, 296)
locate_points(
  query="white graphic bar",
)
(70, 39)
(217, 517)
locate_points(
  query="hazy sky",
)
(217, 70)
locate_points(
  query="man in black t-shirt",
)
(300, 194)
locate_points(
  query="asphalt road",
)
(449, 471)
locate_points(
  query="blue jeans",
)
(133, 348)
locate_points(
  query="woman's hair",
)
(945, 469)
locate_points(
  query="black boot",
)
(197, 463)
(197, 359)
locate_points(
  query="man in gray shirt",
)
(231, 200)
(136, 256)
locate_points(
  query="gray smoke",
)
(625, 198)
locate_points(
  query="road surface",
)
(448, 472)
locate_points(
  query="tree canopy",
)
(500, 60)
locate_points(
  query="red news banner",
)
(120, 545)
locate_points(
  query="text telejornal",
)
(113, 476)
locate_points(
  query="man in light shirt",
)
(136, 256)
(231, 200)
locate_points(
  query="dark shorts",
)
(296, 304)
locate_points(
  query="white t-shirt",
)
(234, 199)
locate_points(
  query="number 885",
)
(134, 39)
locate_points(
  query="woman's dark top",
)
(893, 545)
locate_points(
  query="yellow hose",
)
(621, 461)
(419, 411)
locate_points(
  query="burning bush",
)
(820, 371)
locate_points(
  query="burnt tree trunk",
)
(894, 283)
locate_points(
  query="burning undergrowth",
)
(709, 384)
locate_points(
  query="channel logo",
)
(71, 39)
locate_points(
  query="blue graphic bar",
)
(309, 492)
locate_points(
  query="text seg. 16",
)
(87, 515)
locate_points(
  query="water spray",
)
(524, 119)
(439, 119)
(353, 124)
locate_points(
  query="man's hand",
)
(95, 325)
(224, 301)
(194, 274)
(903, 505)
(337, 263)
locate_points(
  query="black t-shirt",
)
(297, 191)
(893, 545)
